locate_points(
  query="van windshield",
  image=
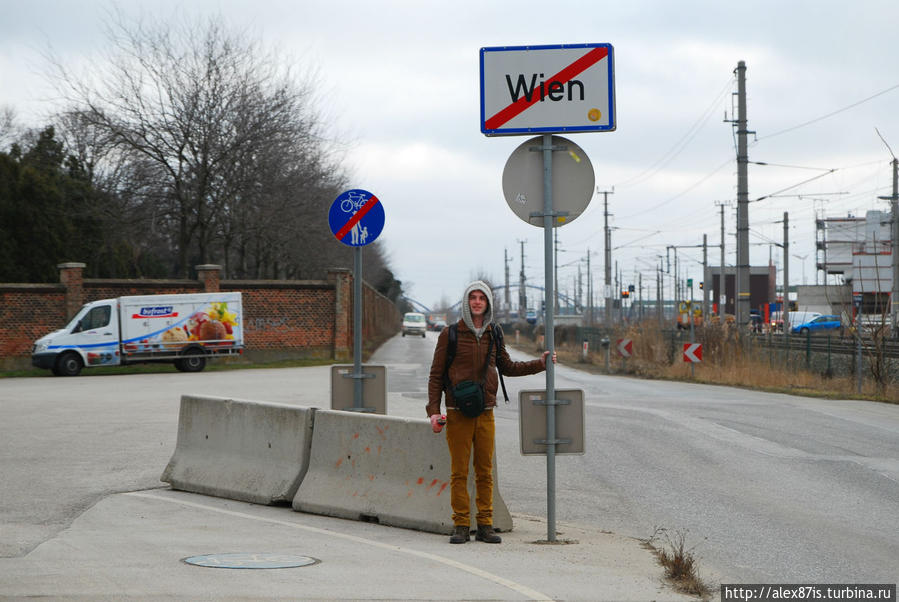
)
(97, 317)
(415, 318)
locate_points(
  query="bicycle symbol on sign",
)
(352, 205)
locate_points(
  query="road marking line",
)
(516, 587)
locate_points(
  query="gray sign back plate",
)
(374, 390)
(573, 181)
(569, 422)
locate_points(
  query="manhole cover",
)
(251, 561)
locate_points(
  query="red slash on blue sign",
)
(357, 217)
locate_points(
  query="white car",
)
(414, 323)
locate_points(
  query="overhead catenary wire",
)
(828, 115)
(681, 144)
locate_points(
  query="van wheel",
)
(423, 335)
(191, 364)
(68, 364)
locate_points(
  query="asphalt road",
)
(768, 488)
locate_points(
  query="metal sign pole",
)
(549, 338)
(357, 328)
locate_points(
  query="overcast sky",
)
(400, 82)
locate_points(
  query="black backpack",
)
(496, 338)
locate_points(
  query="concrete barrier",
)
(385, 469)
(242, 450)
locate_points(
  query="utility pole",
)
(618, 293)
(579, 290)
(705, 283)
(742, 297)
(722, 291)
(894, 209)
(508, 295)
(659, 295)
(608, 258)
(640, 296)
(894, 246)
(589, 290)
(522, 293)
(786, 303)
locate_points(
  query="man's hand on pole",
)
(543, 359)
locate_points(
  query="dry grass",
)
(724, 363)
(678, 561)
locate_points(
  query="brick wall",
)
(282, 319)
(28, 312)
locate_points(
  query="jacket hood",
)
(477, 285)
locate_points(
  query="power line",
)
(683, 142)
(762, 198)
(823, 117)
(680, 194)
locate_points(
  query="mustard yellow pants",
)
(464, 435)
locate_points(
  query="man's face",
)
(477, 302)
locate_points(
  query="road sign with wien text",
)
(543, 89)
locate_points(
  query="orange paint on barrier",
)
(442, 487)
(339, 462)
(355, 435)
(434, 482)
(420, 480)
(368, 450)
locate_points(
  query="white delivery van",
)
(184, 329)
(414, 323)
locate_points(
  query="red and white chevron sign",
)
(625, 347)
(692, 352)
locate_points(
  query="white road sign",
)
(541, 89)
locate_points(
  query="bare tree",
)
(9, 129)
(218, 123)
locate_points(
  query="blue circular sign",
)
(356, 217)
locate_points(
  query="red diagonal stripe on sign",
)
(519, 106)
(357, 216)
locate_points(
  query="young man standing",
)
(476, 359)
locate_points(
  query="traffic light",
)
(701, 285)
(625, 294)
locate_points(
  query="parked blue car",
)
(819, 324)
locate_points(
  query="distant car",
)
(414, 323)
(438, 326)
(531, 316)
(819, 324)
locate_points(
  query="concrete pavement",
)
(133, 545)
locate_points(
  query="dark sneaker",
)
(460, 535)
(487, 534)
